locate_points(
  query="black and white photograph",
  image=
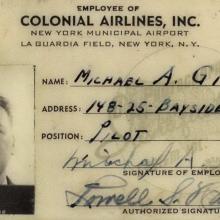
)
(16, 139)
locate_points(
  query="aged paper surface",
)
(109, 109)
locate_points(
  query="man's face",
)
(6, 139)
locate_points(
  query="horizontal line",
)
(162, 206)
(17, 64)
(144, 140)
(145, 113)
(143, 167)
(110, 86)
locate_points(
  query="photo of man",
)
(6, 140)
(16, 140)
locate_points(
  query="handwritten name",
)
(201, 76)
(188, 192)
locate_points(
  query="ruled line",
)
(140, 86)
(143, 167)
(162, 206)
(145, 140)
(145, 113)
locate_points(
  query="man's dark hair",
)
(5, 105)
